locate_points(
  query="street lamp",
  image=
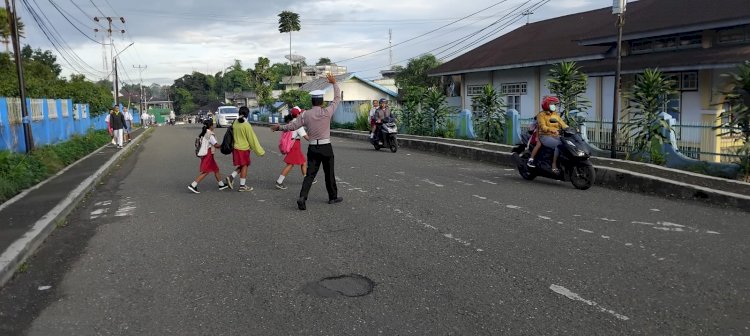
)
(618, 8)
(116, 84)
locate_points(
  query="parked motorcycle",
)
(385, 135)
(573, 160)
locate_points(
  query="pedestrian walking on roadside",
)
(295, 156)
(109, 127)
(245, 141)
(319, 151)
(128, 123)
(117, 121)
(206, 153)
(144, 119)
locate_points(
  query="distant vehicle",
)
(226, 115)
(203, 115)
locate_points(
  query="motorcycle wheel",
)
(523, 169)
(582, 176)
(393, 144)
(377, 147)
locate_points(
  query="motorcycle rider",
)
(548, 131)
(382, 113)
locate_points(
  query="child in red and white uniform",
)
(295, 156)
(208, 163)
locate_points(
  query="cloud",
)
(177, 37)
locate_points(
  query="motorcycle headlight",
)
(580, 153)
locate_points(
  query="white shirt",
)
(144, 116)
(128, 116)
(107, 117)
(299, 133)
(372, 112)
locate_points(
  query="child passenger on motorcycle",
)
(382, 113)
(548, 131)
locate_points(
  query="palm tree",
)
(490, 114)
(5, 31)
(736, 117)
(289, 22)
(646, 100)
(569, 84)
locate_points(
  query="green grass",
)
(20, 171)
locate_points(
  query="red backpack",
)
(286, 142)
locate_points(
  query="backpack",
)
(286, 142)
(227, 144)
(201, 147)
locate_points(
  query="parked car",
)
(226, 115)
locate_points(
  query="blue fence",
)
(52, 121)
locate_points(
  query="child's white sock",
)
(242, 181)
(234, 174)
(194, 184)
(281, 179)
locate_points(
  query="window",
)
(513, 88)
(513, 102)
(673, 106)
(734, 35)
(664, 43)
(474, 90)
(689, 81)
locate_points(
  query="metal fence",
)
(52, 121)
(700, 141)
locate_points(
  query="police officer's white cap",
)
(317, 93)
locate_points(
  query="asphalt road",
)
(421, 245)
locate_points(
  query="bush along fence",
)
(52, 121)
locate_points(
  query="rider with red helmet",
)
(548, 130)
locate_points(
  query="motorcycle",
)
(385, 135)
(573, 161)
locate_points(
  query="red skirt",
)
(295, 156)
(241, 157)
(208, 164)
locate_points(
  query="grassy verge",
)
(20, 171)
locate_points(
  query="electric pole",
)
(27, 135)
(527, 13)
(141, 68)
(390, 47)
(109, 31)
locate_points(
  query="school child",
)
(295, 156)
(208, 163)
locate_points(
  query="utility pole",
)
(141, 68)
(618, 8)
(115, 86)
(527, 13)
(27, 135)
(390, 47)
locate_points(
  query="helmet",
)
(547, 101)
(295, 111)
(383, 100)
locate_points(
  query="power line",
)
(97, 8)
(421, 35)
(65, 15)
(69, 57)
(84, 12)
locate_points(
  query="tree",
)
(183, 101)
(5, 29)
(490, 115)
(569, 84)
(436, 107)
(263, 78)
(324, 61)
(279, 70)
(736, 115)
(288, 23)
(415, 73)
(645, 100)
(297, 98)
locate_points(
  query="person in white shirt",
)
(206, 154)
(128, 123)
(144, 119)
(372, 116)
(109, 128)
(295, 156)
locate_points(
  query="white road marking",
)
(712, 232)
(669, 229)
(643, 223)
(544, 217)
(670, 224)
(575, 297)
(587, 231)
(433, 183)
(629, 244)
(125, 209)
(489, 182)
(655, 210)
(513, 206)
(44, 288)
(480, 197)
(606, 237)
(608, 220)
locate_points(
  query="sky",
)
(173, 38)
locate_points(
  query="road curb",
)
(18, 252)
(608, 177)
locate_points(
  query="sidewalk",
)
(29, 217)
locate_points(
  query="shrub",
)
(21, 171)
